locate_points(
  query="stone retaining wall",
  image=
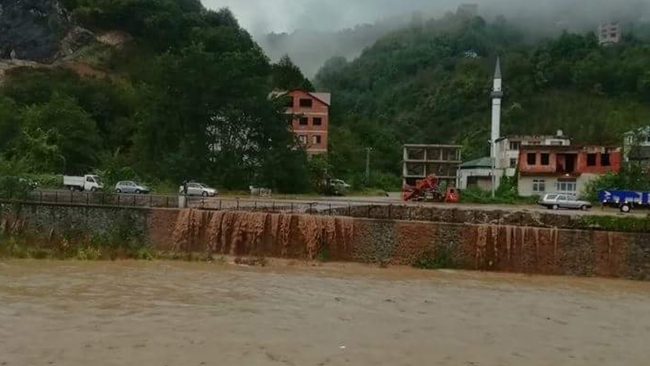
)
(474, 246)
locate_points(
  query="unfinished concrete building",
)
(421, 161)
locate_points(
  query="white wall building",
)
(636, 145)
(609, 33)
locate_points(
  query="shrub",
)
(440, 258)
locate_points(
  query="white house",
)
(636, 145)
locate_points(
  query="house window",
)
(304, 121)
(546, 159)
(303, 139)
(306, 103)
(289, 102)
(316, 139)
(318, 121)
(532, 159)
(591, 159)
(514, 145)
(513, 163)
(605, 160)
(567, 187)
(539, 185)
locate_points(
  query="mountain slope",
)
(175, 92)
(431, 84)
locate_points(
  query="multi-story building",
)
(421, 161)
(478, 173)
(310, 121)
(609, 33)
(508, 149)
(564, 169)
(636, 146)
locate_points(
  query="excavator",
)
(428, 189)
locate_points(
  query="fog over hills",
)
(312, 31)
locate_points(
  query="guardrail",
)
(334, 206)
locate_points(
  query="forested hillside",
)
(187, 98)
(431, 84)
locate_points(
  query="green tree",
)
(287, 76)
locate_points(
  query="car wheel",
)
(118, 191)
(626, 208)
(72, 189)
(137, 191)
(205, 194)
(584, 208)
(555, 207)
(93, 189)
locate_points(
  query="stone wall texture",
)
(475, 246)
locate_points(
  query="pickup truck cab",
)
(86, 183)
(556, 201)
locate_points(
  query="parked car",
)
(131, 187)
(556, 201)
(335, 187)
(198, 189)
(30, 184)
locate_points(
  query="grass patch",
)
(628, 224)
(440, 258)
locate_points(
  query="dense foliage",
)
(188, 98)
(431, 84)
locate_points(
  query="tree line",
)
(188, 98)
(431, 83)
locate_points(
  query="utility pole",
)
(493, 160)
(368, 151)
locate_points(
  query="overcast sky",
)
(288, 15)
(263, 16)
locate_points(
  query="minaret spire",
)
(497, 94)
(497, 72)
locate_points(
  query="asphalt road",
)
(300, 204)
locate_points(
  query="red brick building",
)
(564, 169)
(311, 122)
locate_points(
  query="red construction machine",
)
(428, 189)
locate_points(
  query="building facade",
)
(310, 120)
(564, 169)
(475, 174)
(609, 33)
(508, 149)
(636, 146)
(421, 161)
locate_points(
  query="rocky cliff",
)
(38, 30)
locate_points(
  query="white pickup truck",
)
(89, 182)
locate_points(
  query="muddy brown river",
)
(180, 314)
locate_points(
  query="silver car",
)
(556, 201)
(131, 187)
(198, 189)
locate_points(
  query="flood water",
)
(178, 314)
